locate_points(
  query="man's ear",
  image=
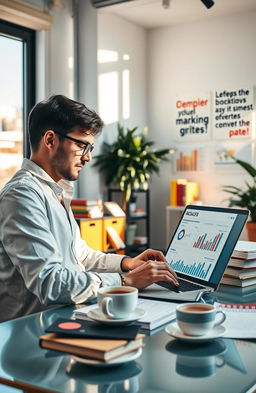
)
(49, 139)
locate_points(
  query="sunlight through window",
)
(108, 97)
(107, 56)
(11, 107)
(126, 57)
(126, 94)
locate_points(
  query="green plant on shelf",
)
(130, 160)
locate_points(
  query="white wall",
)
(123, 37)
(197, 57)
(54, 55)
(118, 35)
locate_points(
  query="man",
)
(43, 260)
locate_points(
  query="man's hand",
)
(147, 268)
(148, 273)
(145, 256)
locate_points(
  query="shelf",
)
(141, 200)
(144, 216)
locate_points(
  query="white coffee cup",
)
(197, 319)
(117, 302)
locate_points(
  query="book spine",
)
(180, 194)
(82, 215)
(86, 202)
(81, 211)
(173, 193)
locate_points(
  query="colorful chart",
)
(187, 162)
(196, 269)
(209, 245)
(181, 234)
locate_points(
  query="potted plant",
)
(130, 161)
(245, 197)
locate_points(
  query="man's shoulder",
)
(21, 181)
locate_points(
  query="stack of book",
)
(241, 269)
(103, 350)
(92, 341)
(183, 192)
(87, 208)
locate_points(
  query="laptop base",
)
(156, 292)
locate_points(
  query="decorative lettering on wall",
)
(192, 120)
(232, 113)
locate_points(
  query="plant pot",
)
(251, 231)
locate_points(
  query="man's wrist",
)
(123, 266)
(122, 277)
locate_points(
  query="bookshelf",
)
(139, 217)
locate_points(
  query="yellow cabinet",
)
(118, 224)
(92, 232)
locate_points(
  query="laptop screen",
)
(204, 241)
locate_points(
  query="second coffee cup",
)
(197, 319)
(117, 302)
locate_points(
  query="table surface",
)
(166, 364)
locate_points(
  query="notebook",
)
(199, 251)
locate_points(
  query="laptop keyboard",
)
(184, 286)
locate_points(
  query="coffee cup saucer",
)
(98, 316)
(174, 331)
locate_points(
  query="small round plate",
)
(127, 357)
(174, 331)
(98, 316)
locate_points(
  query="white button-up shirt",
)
(43, 260)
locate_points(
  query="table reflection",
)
(114, 379)
(198, 361)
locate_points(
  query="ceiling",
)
(151, 14)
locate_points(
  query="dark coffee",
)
(118, 291)
(201, 308)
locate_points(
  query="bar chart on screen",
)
(196, 269)
(210, 245)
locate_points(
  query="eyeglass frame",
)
(88, 147)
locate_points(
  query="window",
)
(17, 95)
(113, 86)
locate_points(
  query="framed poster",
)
(192, 117)
(223, 154)
(191, 158)
(232, 114)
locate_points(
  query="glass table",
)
(166, 364)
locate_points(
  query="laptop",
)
(199, 252)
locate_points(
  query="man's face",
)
(69, 157)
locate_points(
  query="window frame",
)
(28, 36)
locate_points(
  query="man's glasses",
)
(86, 146)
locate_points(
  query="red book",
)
(86, 202)
(180, 193)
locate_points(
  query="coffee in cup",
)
(117, 302)
(197, 319)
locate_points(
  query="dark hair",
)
(61, 114)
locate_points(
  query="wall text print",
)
(233, 113)
(192, 118)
